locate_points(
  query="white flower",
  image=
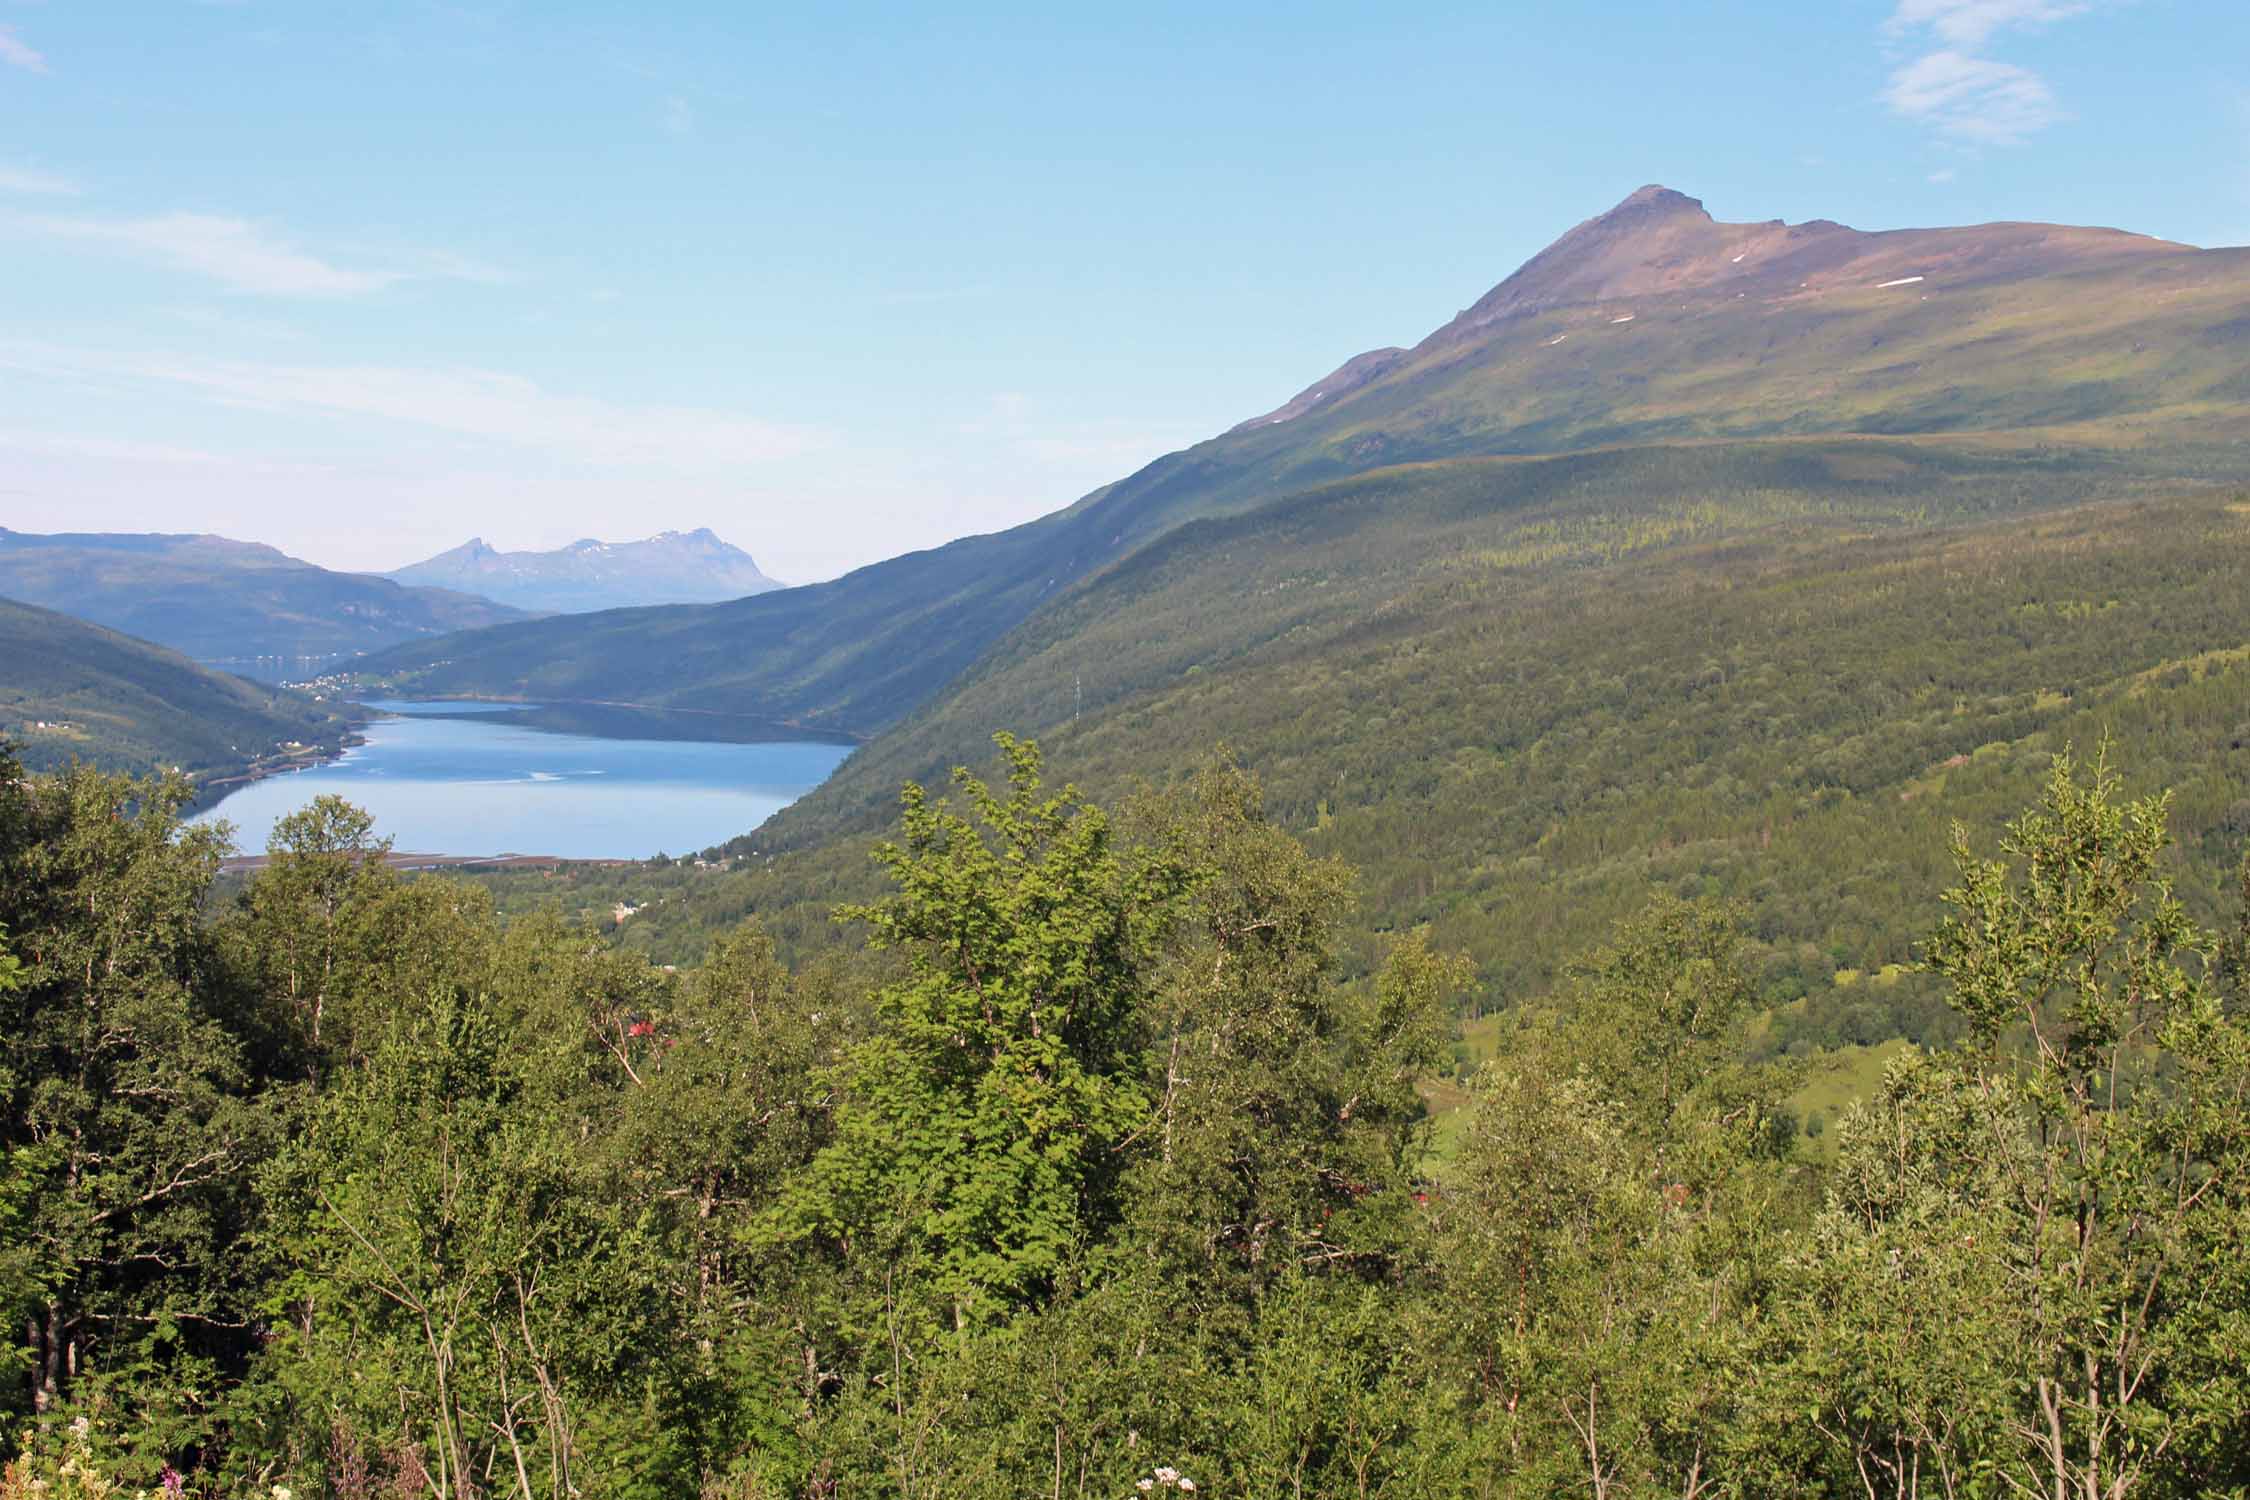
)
(1144, 1485)
(1167, 1474)
(1188, 1485)
(82, 1425)
(281, 1492)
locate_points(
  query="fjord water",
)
(476, 781)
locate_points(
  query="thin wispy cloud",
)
(678, 119)
(241, 255)
(483, 405)
(1976, 99)
(30, 181)
(123, 450)
(1971, 23)
(17, 53)
(1954, 87)
(236, 324)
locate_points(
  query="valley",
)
(1779, 596)
(1646, 896)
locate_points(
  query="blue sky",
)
(362, 280)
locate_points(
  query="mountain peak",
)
(1659, 248)
(671, 567)
(1655, 200)
(1657, 237)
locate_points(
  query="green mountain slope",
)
(69, 689)
(221, 601)
(1540, 559)
(1517, 694)
(1651, 323)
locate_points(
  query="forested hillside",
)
(76, 691)
(1079, 1164)
(1516, 693)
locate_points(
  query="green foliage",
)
(982, 1121)
(1607, 1216)
(449, 1273)
(130, 1124)
(1893, 1308)
(20, 1166)
(1285, 1120)
(2123, 1180)
(1112, 1169)
(324, 875)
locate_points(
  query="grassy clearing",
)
(1834, 1081)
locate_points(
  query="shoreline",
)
(411, 861)
(604, 718)
(212, 790)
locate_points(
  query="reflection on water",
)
(476, 781)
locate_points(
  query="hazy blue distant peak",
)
(671, 567)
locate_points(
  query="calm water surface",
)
(481, 785)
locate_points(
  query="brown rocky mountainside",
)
(1662, 244)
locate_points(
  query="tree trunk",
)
(33, 1363)
(49, 1376)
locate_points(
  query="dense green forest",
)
(1086, 1160)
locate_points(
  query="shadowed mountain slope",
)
(220, 600)
(71, 690)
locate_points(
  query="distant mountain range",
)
(219, 600)
(672, 567)
(72, 690)
(2037, 358)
